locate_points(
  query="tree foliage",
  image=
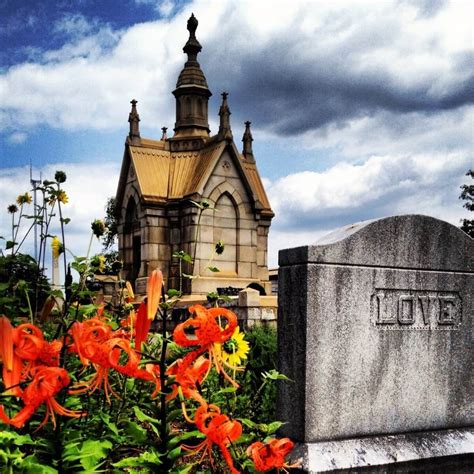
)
(467, 194)
(111, 210)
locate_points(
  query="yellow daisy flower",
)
(62, 197)
(234, 350)
(24, 199)
(56, 247)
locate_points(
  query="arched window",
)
(188, 111)
(225, 229)
(200, 108)
(131, 215)
(132, 241)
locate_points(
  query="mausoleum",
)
(161, 180)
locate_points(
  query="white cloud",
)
(104, 68)
(16, 138)
(310, 204)
(88, 187)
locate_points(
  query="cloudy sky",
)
(359, 109)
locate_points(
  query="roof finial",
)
(192, 46)
(247, 140)
(134, 119)
(224, 114)
(164, 136)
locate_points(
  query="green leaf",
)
(172, 292)
(105, 417)
(228, 390)
(213, 269)
(197, 204)
(173, 414)
(275, 375)
(182, 470)
(274, 426)
(32, 466)
(10, 244)
(248, 423)
(175, 453)
(144, 417)
(134, 430)
(191, 277)
(186, 435)
(146, 459)
(90, 453)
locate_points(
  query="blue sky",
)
(359, 109)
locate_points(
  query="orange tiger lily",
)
(46, 384)
(12, 366)
(142, 326)
(207, 331)
(95, 342)
(22, 349)
(153, 290)
(270, 455)
(187, 377)
(6, 343)
(219, 430)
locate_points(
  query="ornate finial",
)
(192, 25)
(224, 114)
(164, 136)
(192, 46)
(134, 119)
(247, 139)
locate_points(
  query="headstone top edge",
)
(402, 241)
(344, 232)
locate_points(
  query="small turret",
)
(134, 120)
(192, 94)
(164, 135)
(224, 115)
(247, 140)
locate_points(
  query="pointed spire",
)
(247, 140)
(224, 114)
(192, 47)
(134, 119)
(164, 136)
(191, 93)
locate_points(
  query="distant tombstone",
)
(375, 329)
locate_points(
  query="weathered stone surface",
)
(249, 297)
(375, 329)
(378, 451)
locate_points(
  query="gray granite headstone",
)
(375, 329)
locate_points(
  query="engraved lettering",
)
(425, 307)
(383, 317)
(405, 309)
(397, 309)
(447, 310)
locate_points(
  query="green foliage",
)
(261, 360)
(21, 284)
(467, 194)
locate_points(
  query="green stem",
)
(17, 226)
(63, 235)
(196, 240)
(29, 305)
(163, 407)
(23, 239)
